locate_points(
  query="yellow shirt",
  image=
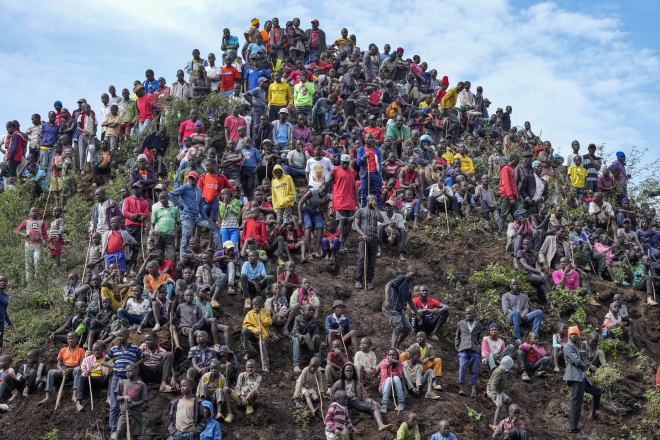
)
(449, 157)
(277, 94)
(578, 176)
(422, 352)
(449, 100)
(251, 322)
(97, 370)
(466, 164)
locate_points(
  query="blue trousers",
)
(233, 234)
(188, 225)
(376, 184)
(468, 359)
(534, 317)
(386, 390)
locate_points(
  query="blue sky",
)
(576, 69)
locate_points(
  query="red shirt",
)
(376, 132)
(144, 107)
(343, 185)
(440, 95)
(255, 229)
(336, 359)
(430, 303)
(291, 237)
(167, 264)
(232, 124)
(229, 76)
(371, 160)
(293, 279)
(115, 242)
(375, 97)
(133, 205)
(187, 128)
(211, 185)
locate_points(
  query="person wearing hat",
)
(620, 165)
(189, 198)
(282, 128)
(576, 366)
(337, 326)
(136, 213)
(524, 168)
(257, 99)
(251, 33)
(253, 74)
(145, 175)
(496, 385)
(315, 39)
(533, 189)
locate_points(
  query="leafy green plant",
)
(607, 378)
(497, 276)
(51, 435)
(301, 415)
(473, 414)
(652, 407)
(566, 300)
(579, 317)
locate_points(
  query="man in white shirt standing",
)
(213, 73)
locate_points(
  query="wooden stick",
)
(91, 394)
(142, 240)
(394, 395)
(59, 393)
(444, 197)
(87, 256)
(318, 387)
(128, 424)
(365, 265)
(342, 341)
(261, 348)
(46, 207)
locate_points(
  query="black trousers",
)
(577, 395)
(372, 251)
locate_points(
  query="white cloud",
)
(573, 75)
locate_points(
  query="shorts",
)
(56, 183)
(343, 214)
(312, 218)
(497, 398)
(185, 331)
(361, 406)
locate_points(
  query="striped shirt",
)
(152, 358)
(512, 302)
(337, 418)
(122, 358)
(368, 221)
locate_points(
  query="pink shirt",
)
(232, 124)
(572, 279)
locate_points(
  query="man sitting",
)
(427, 358)
(515, 306)
(433, 314)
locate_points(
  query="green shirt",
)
(303, 94)
(497, 381)
(165, 220)
(207, 310)
(640, 273)
(131, 112)
(406, 433)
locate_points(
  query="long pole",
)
(444, 197)
(87, 257)
(261, 348)
(46, 207)
(59, 393)
(365, 265)
(393, 395)
(91, 394)
(128, 425)
(318, 387)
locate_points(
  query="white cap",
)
(345, 158)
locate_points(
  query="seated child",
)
(255, 329)
(532, 357)
(70, 288)
(186, 411)
(428, 359)
(212, 430)
(337, 421)
(614, 320)
(228, 364)
(331, 241)
(414, 380)
(246, 391)
(493, 349)
(60, 335)
(496, 385)
(161, 306)
(337, 326)
(104, 324)
(309, 383)
(566, 277)
(200, 356)
(68, 359)
(210, 323)
(391, 375)
(136, 309)
(292, 236)
(210, 387)
(366, 362)
(335, 361)
(29, 377)
(254, 280)
(444, 432)
(358, 398)
(305, 329)
(158, 364)
(559, 339)
(114, 286)
(302, 295)
(512, 427)
(92, 373)
(591, 352)
(188, 320)
(409, 430)
(277, 305)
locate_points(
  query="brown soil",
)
(544, 400)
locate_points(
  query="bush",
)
(607, 378)
(497, 276)
(566, 300)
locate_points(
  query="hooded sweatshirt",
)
(384, 373)
(497, 380)
(284, 192)
(212, 431)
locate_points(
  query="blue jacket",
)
(212, 431)
(331, 323)
(190, 199)
(4, 316)
(363, 163)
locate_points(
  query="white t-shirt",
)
(318, 171)
(214, 71)
(367, 360)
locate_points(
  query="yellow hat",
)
(254, 22)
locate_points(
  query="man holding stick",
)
(366, 225)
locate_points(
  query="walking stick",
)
(59, 393)
(261, 348)
(446, 213)
(342, 341)
(91, 395)
(365, 265)
(46, 207)
(394, 395)
(87, 256)
(318, 387)
(128, 424)
(142, 240)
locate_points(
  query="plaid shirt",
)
(203, 358)
(368, 221)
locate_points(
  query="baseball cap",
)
(263, 79)
(315, 21)
(193, 174)
(81, 100)
(137, 185)
(486, 100)
(284, 110)
(345, 158)
(228, 244)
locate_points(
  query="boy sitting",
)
(246, 392)
(305, 328)
(429, 361)
(366, 362)
(188, 320)
(337, 421)
(255, 329)
(409, 430)
(92, 372)
(512, 427)
(309, 384)
(493, 349)
(532, 357)
(335, 361)
(200, 356)
(338, 328)
(614, 320)
(254, 278)
(29, 376)
(210, 323)
(415, 381)
(60, 336)
(210, 387)
(68, 359)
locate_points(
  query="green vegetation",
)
(301, 415)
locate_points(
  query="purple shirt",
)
(622, 175)
(222, 264)
(304, 134)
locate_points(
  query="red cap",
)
(193, 174)
(315, 21)
(445, 80)
(399, 49)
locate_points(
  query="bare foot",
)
(139, 330)
(79, 406)
(45, 400)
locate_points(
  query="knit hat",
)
(57, 103)
(445, 80)
(398, 49)
(493, 325)
(575, 330)
(198, 124)
(518, 213)
(536, 162)
(254, 22)
(506, 363)
(620, 154)
(142, 156)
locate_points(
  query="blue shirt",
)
(252, 76)
(49, 134)
(438, 436)
(400, 293)
(254, 48)
(251, 158)
(4, 316)
(41, 176)
(203, 358)
(231, 41)
(282, 135)
(331, 323)
(253, 274)
(123, 357)
(146, 84)
(191, 200)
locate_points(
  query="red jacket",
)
(508, 187)
(255, 229)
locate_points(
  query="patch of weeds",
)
(51, 435)
(497, 276)
(567, 300)
(301, 415)
(473, 414)
(579, 317)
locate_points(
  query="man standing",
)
(181, 88)
(315, 39)
(303, 97)
(369, 161)
(187, 128)
(366, 225)
(398, 294)
(232, 122)
(49, 135)
(398, 133)
(144, 103)
(213, 73)
(344, 196)
(592, 164)
(130, 114)
(136, 212)
(252, 75)
(103, 211)
(257, 99)
(576, 365)
(448, 105)
(279, 96)
(508, 191)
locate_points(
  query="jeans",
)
(220, 282)
(506, 207)
(56, 376)
(538, 365)
(294, 172)
(510, 350)
(46, 158)
(412, 212)
(296, 348)
(535, 317)
(141, 320)
(113, 417)
(468, 359)
(183, 436)
(386, 390)
(32, 259)
(577, 395)
(188, 224)
(143, 125)
(375, 184)
(83, 146)
(233, 234)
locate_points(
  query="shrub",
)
(497, 276)
(566, 300)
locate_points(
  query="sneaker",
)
(296, 369)
(165, 389)
(358, 285)
(342, 250)
(249, 410)
(401, 407)
(370, 285)
(525, 376)
(219, 416)
(650, 302)
(248, 304)
(556, 370)
(133, 327)
(280, 262)
(402, 256)
(113, 436)
(215, 304)
(517, 341)
(229, 418)
(431, 396)
(383, 408)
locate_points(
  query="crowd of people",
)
(323, 140)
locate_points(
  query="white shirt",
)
(569, 159)
(398, 220)
(105, 112)
(214, 72)
(318, 171)
(435, 191)
(540, 186)
(605, 211)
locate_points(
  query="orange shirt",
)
(71, 358)
(266, 38)
(152, 282)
